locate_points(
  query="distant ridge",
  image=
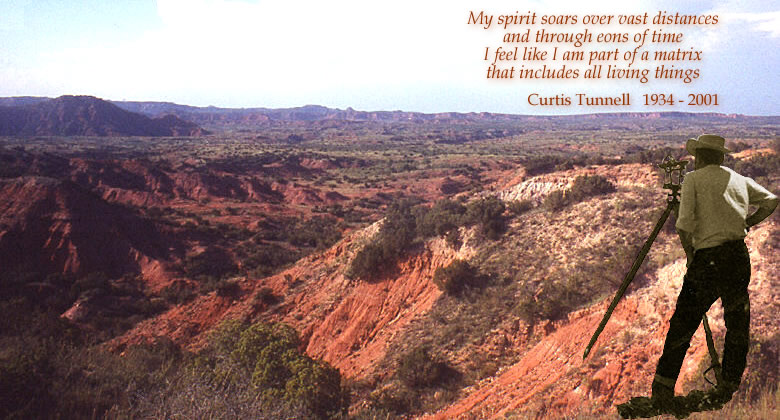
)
(222, 118)
(84, 116)
(318, 112)
(226, 119)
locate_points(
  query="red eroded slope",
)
(145, 183)
(356, 332)
(346, 322)
(50, 226)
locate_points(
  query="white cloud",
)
(768, 22)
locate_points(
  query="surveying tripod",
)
(673, 177)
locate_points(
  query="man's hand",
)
(761, 213)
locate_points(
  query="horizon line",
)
(610, 112)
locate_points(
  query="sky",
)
(400, 55)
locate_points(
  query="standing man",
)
(712, 223)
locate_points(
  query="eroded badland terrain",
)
(316, 263)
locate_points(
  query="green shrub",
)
(213, 262)
(94, 281)
(228, 287)
(518, 207)
(453, 278)
(369, 262)
(554, 300)
(319, 232)
(25, 369)
(394, 398)
(263, 259)
(397, 233)
(442, 218)
(48, 369)
(585, 186)
(266, 295)
(419, 368)
(545, 164)
(555, 201)
(400, 226)
(178, 293)
(269, 355)
(317, 385)
(488, 213)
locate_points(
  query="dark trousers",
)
(719, 272)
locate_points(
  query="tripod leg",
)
(715, 366)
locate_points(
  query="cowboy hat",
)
(706, 141)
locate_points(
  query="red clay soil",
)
(356, 333)
(346, 322)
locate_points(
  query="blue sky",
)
(409, 55)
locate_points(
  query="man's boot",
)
(662, 392)
(716, 398)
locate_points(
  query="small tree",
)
(398, 232)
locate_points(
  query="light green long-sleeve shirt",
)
(714, 205)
